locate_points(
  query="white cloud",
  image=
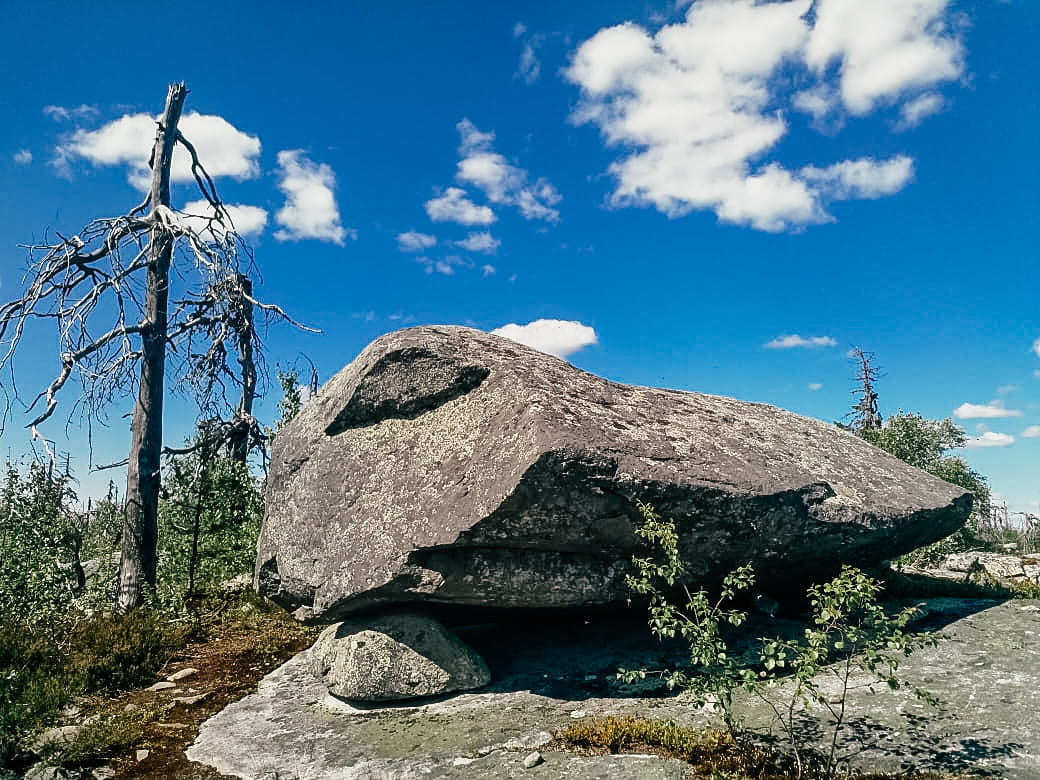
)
(556, 337)
(444, 266)
(991, 411)
(530, 67)
(1007, 389)
(864, 178)
(794, 340)
(480, 242)
(223, 149)
(519, 29)
(917, 110)
(61, 113)
(247, 220)
(814, 386)
(454, 205)
(412, 241)
(501, 181)
(989, 439)
(1032, 432)
(23, 157)
(310, 209)
(884, 49)
(487, 269)
(699, 105)
(1036, 347)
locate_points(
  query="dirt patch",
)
(232, 649)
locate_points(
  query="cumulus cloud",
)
(884, 49)
(556, 337)
(23, 157)
(487, 269)
(310, 209)
(412, 241)
(814, 386)
(1032, 432)
(863, 178)
(499, 180)
(530, 67)
(794, 340)
(223, 149)
(697, 106)
(991, 411)
(989, 439)
(454, 205)
(62, 114)
(917, 110)
(247, 220)
(480, 242)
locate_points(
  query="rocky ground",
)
(549, 673)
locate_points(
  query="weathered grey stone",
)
(182, 674)
(1004, 568)
(531, 760)
(59, 735)
(395, 657)
(985, 672)
(451, 466)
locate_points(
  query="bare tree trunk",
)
(239, 444)
(141, 529)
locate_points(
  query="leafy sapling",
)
(715, 673)
(850, 631)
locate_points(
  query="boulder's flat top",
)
(987, 673)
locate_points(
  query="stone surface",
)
(182, 674)
(1005, 568)
(531, 760)
(57, 736)
(162, 685)
(188, 701)
(986, 672)
(394, 657)
(451, 466)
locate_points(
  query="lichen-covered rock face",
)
(395, 657)
(450, 466)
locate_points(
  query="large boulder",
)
(394, 657)
(450, 466)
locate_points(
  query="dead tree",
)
(864, 415)
(121, 270)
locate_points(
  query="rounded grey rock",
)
(395, 657)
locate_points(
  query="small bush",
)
(34, 685)
(116, 652)
(111, 735)
(714, 752)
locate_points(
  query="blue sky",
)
(690, 182)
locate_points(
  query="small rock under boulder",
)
(450, 466)
(395, 657)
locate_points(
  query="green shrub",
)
(849, 630)
(116, 652)
(112, 734)
(209, 521)
(35, 683)
(717, 673)
(39, 540)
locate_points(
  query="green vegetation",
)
(849, 630)
(713, 753)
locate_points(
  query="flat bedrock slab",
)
(987, 673)
(395, 657)
(450, 466)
